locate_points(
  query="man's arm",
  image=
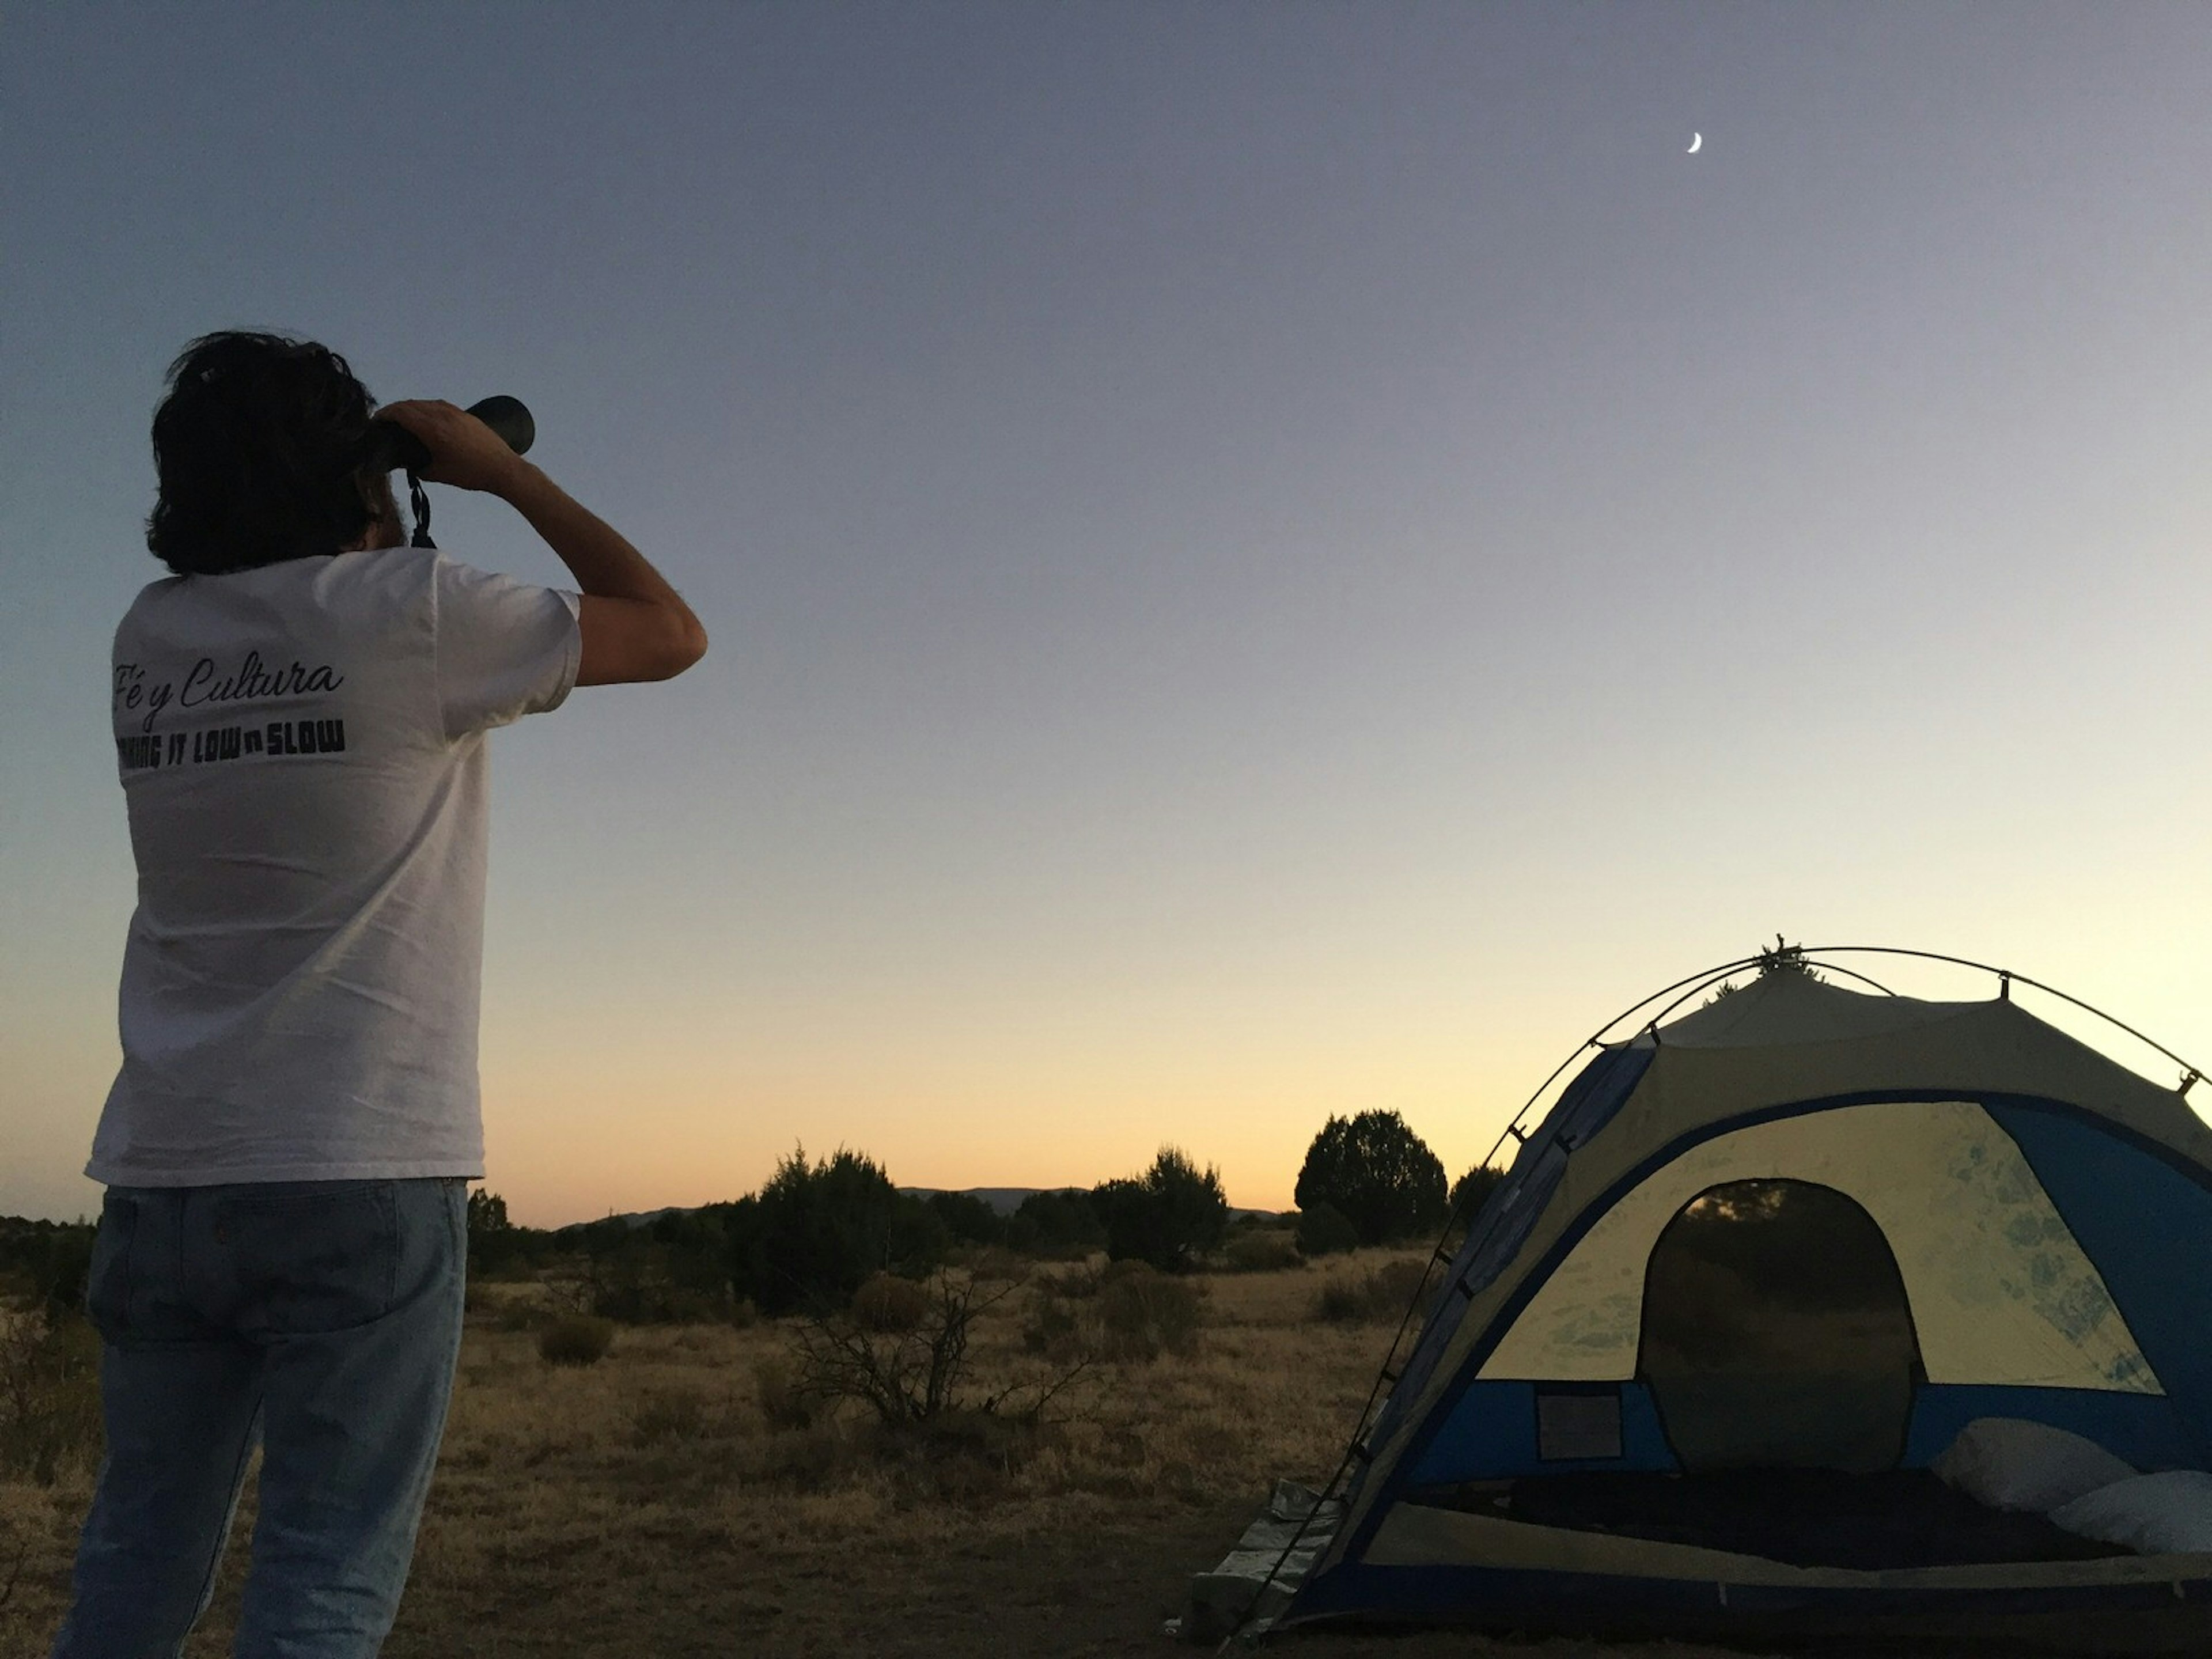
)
(635, 626)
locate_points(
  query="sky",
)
(1264, 560)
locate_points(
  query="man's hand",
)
(464, 452)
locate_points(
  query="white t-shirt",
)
(302, 750)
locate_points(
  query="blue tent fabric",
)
(1491, 1433)
(1598, 1092)
(2147, 1223)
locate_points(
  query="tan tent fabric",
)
(2000, 1291)
(1783, 1009)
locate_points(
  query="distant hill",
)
(1003, 1201)
(634, 1218)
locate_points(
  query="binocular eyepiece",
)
(392, 447)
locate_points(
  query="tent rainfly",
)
(1744, 1341)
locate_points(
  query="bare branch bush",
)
(915, 1376)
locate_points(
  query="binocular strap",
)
(419, 501)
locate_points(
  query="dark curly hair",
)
(260, 448)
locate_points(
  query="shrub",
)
(498, 1248)
(1324, 1229)
(576, 1339)
(1143, 1313)
(816, 1231)
(1166, 1217)
(968, 1218)
(45, 1263)
(570, 1289)
(1472, 1190)
(1058, 1223)
(49, 1395)
(964, 1455)
(491, 1234)
(1127, 1311)
(812, 1456)
(1379, 1173)
(673, 1269)
(1054, 1329)
(1341, 1302)
(1062, 1324)
(62, 1276)
(522, 1313)
(1261, 1252)
(904, 1376)
(670, 1416)
(1396, 1286)
(992, 1263)
(783, 1403)
(1080, 1281)
(886, 1303)
(909, 1377)
(642, 1282)
(1379, 1297)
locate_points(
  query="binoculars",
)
(393, 448)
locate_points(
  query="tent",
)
(1740, 1294)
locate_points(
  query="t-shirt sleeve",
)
(506, 648)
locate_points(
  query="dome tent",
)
(1757, 1270)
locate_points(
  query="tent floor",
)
(1806, 1517)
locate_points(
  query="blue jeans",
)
(322, 1319)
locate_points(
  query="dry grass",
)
(648, 1505)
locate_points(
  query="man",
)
(301, 715)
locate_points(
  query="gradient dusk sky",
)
(1265, 560)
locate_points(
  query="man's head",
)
(258, 447)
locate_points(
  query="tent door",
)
(1776, 1332)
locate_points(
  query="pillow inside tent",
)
(2013, 1463)
(2168, 1514)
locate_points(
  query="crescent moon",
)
(1696, 139)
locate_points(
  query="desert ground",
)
(676, 1497)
